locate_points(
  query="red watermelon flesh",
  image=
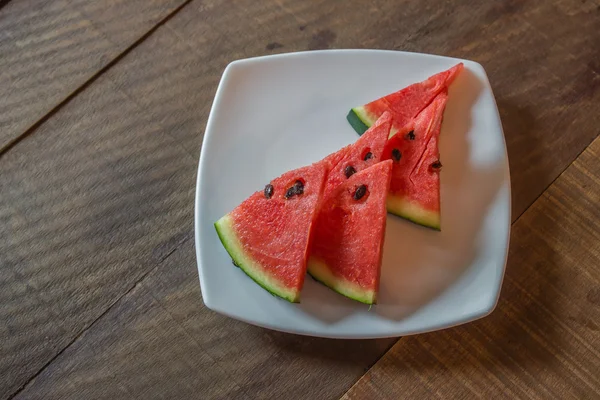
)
(415, 186)
(268, 234)
(404, 104)
(363, 153)
(425, 179)
(349, 234)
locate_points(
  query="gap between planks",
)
(29, 131)
(110, 307)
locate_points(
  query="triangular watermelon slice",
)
(404, 104)
(349, 232)
(355, 157)
(268, 235)
(415, 186)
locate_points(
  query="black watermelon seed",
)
(349, 171)
(299, 187)
(234, 263)
(269, 191)
(410, 135)
(368, 156)
(290, 192)
(396, 155)
(360, 192)
(436, 165)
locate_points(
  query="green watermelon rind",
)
(412, 211)
(320, 272)
(224, 227)
(360, 120)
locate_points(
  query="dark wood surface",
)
(543, 340)
(99, 288)
(50, 48)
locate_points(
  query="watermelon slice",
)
(404, 104)
(349, 232)
(355, 157)
(268, 235)
(415, 185)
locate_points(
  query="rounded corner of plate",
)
(489, 308)
(231, 65)
(476, 66)
(232, 68)
(209, 303)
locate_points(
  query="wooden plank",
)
(50, 48)
(88, 205)
(542, 341)
(154, 103)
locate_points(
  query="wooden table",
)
(102, 108)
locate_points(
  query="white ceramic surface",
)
(275, 113)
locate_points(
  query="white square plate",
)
(272, 114)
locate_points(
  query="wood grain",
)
(89, 204)
(153, 347)
(50, 48)
(543, 339)
(101, 193)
